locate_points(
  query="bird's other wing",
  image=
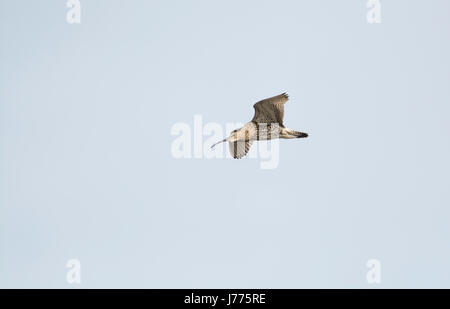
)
(239, 148)
(270, 110)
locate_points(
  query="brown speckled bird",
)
(267, 123)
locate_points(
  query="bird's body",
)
(267, 123)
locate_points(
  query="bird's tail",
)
(289, 133)
(299, 134)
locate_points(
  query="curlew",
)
(267, 123)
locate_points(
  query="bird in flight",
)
(267, 123)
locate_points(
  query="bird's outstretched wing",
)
(270, 110)
(239, 149)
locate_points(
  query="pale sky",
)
(86, 170)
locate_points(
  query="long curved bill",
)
(224, 140)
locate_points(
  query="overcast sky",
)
(87, 173)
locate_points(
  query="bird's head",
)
(233, 136)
